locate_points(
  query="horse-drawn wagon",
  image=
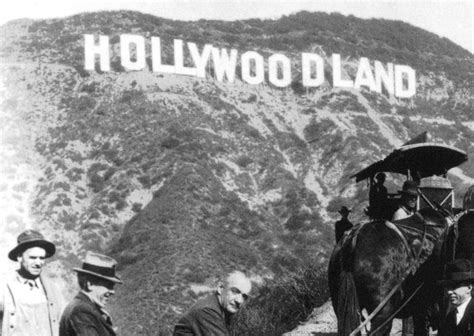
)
(384, 269)
(420, 160)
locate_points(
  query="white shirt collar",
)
(461, 309)
(25, 281)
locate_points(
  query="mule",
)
(464, 245)
(376, 258)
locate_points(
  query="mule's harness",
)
(412, 268)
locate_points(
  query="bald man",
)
(211, 315)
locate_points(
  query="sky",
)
(447, 18)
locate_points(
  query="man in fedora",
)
(458, 282)
(30, 304)
(211, 315)
(86, 314)
(343, 224)
(406, 208)
(408, 201)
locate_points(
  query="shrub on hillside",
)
(98, 173)
(336, 203)
(243, 161)
(280, 305)
(317, 130)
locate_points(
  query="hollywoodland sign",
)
(398, 80)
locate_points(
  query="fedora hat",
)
(458, 270)
(99, 265)
(28, 239)
(409, 188)
(344, 210)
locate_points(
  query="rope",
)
(376, 310)
(398, 310)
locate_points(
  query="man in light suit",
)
(30, 303)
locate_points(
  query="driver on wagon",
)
(407, 206)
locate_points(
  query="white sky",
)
(448, 18)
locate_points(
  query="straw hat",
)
(100, 266)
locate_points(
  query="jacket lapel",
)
(84, 298)
(467, 317)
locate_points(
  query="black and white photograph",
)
(236, 168)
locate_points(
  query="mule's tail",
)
(348, 316)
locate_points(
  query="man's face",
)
(101, 290)
(410, 201)
(459, 293)
(234, 292)
(32, 261)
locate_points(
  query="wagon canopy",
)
(421, 159)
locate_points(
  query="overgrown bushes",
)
(281, 304)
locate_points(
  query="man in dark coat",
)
(378, 197)
(211, 315)
(459, 281)
(343, 224)
(86, 314)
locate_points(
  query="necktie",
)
(106, 316)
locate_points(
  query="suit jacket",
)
(8, 305)
(82, 317)
(465, 326)
(205, 318)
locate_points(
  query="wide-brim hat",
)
(344, 210)
(100, 266)
(459, 270)
(28, 239)
(409, 188)
(380, 175)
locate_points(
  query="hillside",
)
(183, 178)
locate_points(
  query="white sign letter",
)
(156, 57)
(364, 75)
(90, 50)
(385, 77)
(200, 60)
(307, 60)
(259, 69)
(400, 91)
(125, 54)
(179, 60)
(336, 73)
(223, 64)
(273, 70)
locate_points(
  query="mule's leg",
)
(421, 325)
(377, 321)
